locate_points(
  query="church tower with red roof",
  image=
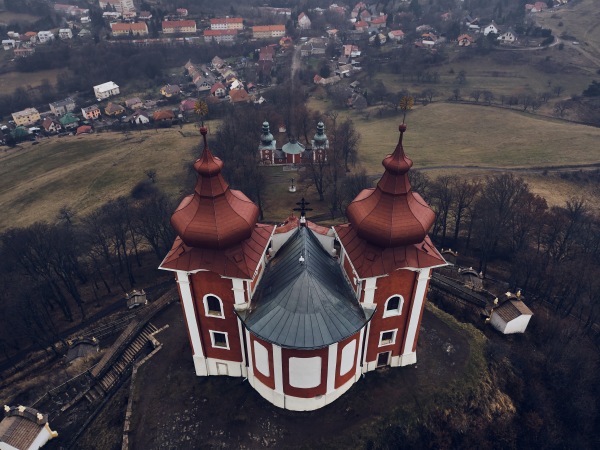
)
(388, 257)
(281, 306)
(218, 258)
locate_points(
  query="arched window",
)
(393, 306)
(213, 306)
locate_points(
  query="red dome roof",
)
(214, 216)
(391, 214)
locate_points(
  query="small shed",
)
(136, 298)
(24, 428)
(471, 278)
(81, 347)
(512, 316)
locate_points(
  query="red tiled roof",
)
(226, 20)
(220, 32)
(139, 26)
(164, 114)
(216, 86)
(391, 214)
(214, 217)
(178, 24)
(371, 261)
(238, 261)
(239, 95)
(262, 28)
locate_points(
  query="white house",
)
(303, 21)
(45, 36)
(106, 90)
(8, 44)
(508, 36)
(65, 33)
(512, 316)
(396, 35)
(491, 28)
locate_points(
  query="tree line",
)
(52, 272)
(550, 252)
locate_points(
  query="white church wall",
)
(261, 359)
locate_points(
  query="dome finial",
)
(204, 132)
(402, 129)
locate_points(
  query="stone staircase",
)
(108, 375)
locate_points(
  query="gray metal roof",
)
(293, 147)
(304, 304)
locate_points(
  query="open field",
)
(86, 171)
(442, 134)
(12, 80)
(9, 17)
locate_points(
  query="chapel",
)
(301, 310)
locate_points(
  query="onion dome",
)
(392, 214)
(266, 138)
(320, 140)
(214, 216)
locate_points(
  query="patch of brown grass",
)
(12, 80)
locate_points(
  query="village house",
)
(69, 121)
(84, 129)
(23, 52)
(178, 26)
(62, 106)
(134, 103)
(145, 15)
(170, 90)
(303, 22)
(129, 29)
(536, 7)
(218, 90)
(65, 33)
(508, 37)
(287, 12)
(91, 112)
(219, 36)
(239, 96)
(51, 125)
(119, 6)
(464, 40)
(396, 35)
(491, 28)
(106, 90)
(8, 44)
(227, 23)
(163, 115)
(181, 12)
(45, 36)
(139, 118)
(114, 109)
(268, 31)
(28, 116)
(378, 21)
(361, 26)
(351, 51)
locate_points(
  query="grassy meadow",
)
(85, 171)
(12, 80)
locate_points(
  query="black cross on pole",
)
(302, 203)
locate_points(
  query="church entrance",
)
(383, 359)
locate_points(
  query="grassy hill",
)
(86, 171)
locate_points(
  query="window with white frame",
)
(213, 306)
(219, 339)
(387, 337)
(393, 306)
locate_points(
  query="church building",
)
(301, 310)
